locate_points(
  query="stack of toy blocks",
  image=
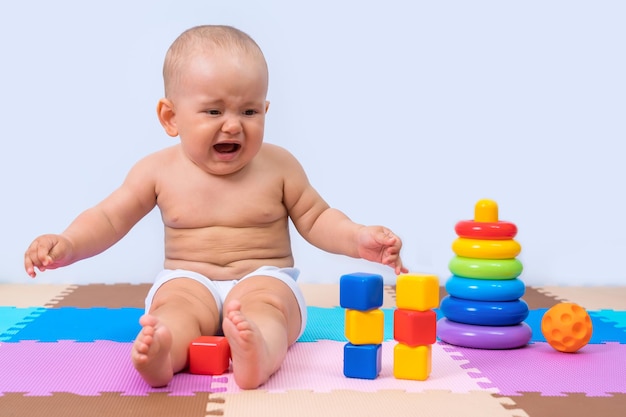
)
(415, 325)
(361, 294)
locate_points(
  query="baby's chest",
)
(202, 208)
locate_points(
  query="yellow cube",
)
(412, 363)
(365, 327)
(419, 292)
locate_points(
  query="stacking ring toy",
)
(485, 224)
(484, 337)
(484, 313)
(486, 249)
(485, 268)
(485, 289)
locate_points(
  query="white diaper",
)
(220, 289)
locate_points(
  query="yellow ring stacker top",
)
(486, 249)
(486, 211)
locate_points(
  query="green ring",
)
(485, 268)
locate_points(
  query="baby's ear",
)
(167, 117)
(267, 105)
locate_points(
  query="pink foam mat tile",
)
(596, 370)
(318, 367)
(41, 369)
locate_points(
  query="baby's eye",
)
(214, 112)
(250, 112)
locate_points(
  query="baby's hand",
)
(379, 244)
(47, 252)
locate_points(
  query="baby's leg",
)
(182, 310)
(261, 320)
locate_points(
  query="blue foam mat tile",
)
(122, 325)
(13, 319)
(81, 325)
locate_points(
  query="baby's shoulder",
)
(155, 164)
(272, 149)
(162, 158)
(274, 153)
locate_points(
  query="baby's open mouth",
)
(227, 147)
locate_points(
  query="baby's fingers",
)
(44, 257)
(393, 259)
(29, 266)
(401, 269)
(30, 262)
(37, 256)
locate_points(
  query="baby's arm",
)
(97, 228)
(331, 230)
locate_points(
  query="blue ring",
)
(484, 313)
(485, 290)
(484, 337)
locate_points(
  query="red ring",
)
(486, 230)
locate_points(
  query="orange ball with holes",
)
(567, 327)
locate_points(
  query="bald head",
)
(208, 40)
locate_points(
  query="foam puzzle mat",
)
(64, 351)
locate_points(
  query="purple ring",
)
(484, 337)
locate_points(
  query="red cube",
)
(209, 355)
(415, 328)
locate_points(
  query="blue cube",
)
(362, 361)
(361, 291)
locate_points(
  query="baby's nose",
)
(232, 125)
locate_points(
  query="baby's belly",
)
(224, 253)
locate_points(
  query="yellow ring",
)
(486, 249)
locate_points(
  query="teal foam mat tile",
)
(603, 331)
(616, 318)
(329, 324)
(12, 319)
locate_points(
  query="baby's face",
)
(220, 105)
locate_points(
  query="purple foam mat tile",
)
(41, 369)
(595, 370)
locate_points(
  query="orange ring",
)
(486, 230)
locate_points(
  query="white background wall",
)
(403, 113)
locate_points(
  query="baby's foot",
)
(151, 352)
(251, 359)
